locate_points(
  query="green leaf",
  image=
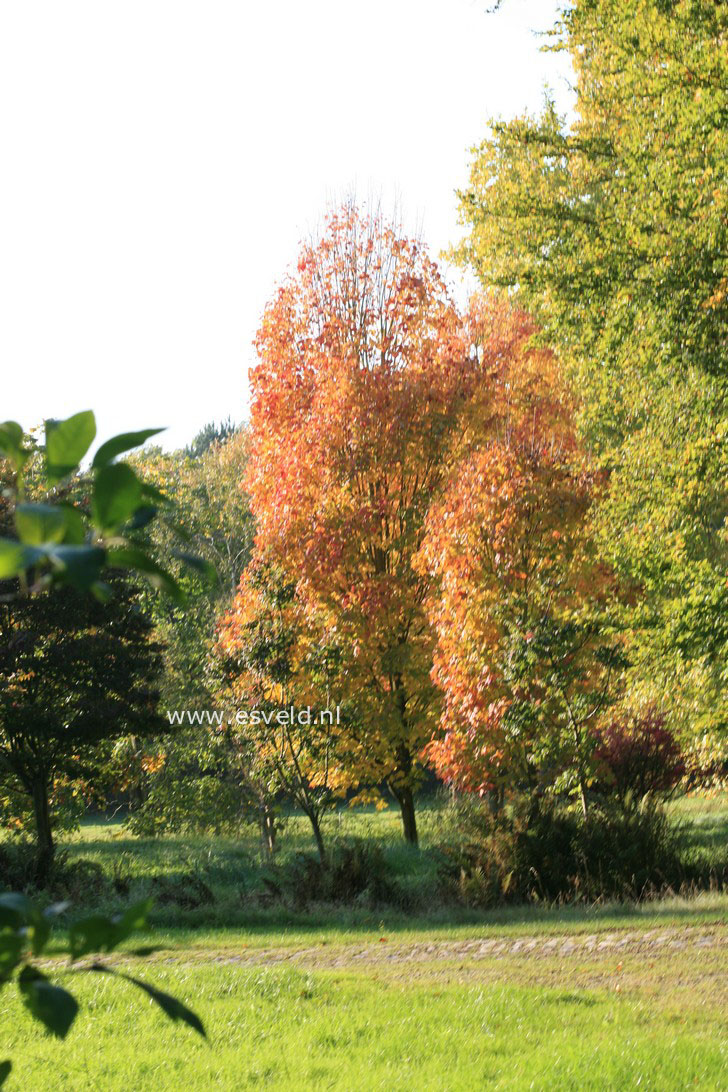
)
(142, 517)
(41, 931)
(99, 933)
(5, 1068)
(52, 1005)
(39, 523)
(80, 565)
(66, 444)
(131, 557)
(75, 534)
(133, 919)
(93, 934)
(19, 906)
(173, 1008)
(11, 444)
(125, 441)
(117, 495)
(16, 558)
(150, 492)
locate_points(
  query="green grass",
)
(293, 1030)
(597, 1020)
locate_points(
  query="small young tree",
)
(273, 664)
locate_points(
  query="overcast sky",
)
(161, 160)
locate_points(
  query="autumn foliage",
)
(521, 659)
(415, 477)
(364, 368)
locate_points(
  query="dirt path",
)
(658, 943)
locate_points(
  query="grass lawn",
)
(602, 997)
(292, 1028)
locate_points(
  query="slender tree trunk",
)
(402, 790)
(582, 796)
(267, 831)
(44, 831)
(406, 801)
(316, 827)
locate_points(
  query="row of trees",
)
(494, 538)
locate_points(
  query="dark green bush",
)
(354, 873)
(187, 890)
(554, 854)
(68, 879)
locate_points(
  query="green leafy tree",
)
(73, 673)
(194, 777)
(612, 230)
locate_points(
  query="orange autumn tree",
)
(526, 655)
(363, 370)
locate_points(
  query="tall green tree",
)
(611, 228)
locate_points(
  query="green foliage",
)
(612, 230)
(74, 672)
(70, 541)
(351, 872)
(521, 854)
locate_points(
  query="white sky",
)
(163, 158)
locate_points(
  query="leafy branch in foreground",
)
(61, 541)
(25, 931)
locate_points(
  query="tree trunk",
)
(406, 800)
(316, 827)
(267, 832)
(44, 832)
(582, 795)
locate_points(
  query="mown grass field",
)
(602, 997)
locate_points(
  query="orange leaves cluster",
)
(506, 542)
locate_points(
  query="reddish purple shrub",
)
(637, 755)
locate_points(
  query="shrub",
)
(79, 880)
(555, 854)
(354, 872)
(637, 756)
(187, 890)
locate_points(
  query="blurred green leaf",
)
(16, 558)
(125, 441)
(91, 934)
(117, 495)
(11, 951)
(52, 1005)
(205, 568)
(131, 557)
(11, 444)
(75, 533)
(66, 444)
(5, 1068)
(80, 565)
(173, 1008)
(39, 523)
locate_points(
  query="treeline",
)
(495, 538)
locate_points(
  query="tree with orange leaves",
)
(525, 654)
(363, 371)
